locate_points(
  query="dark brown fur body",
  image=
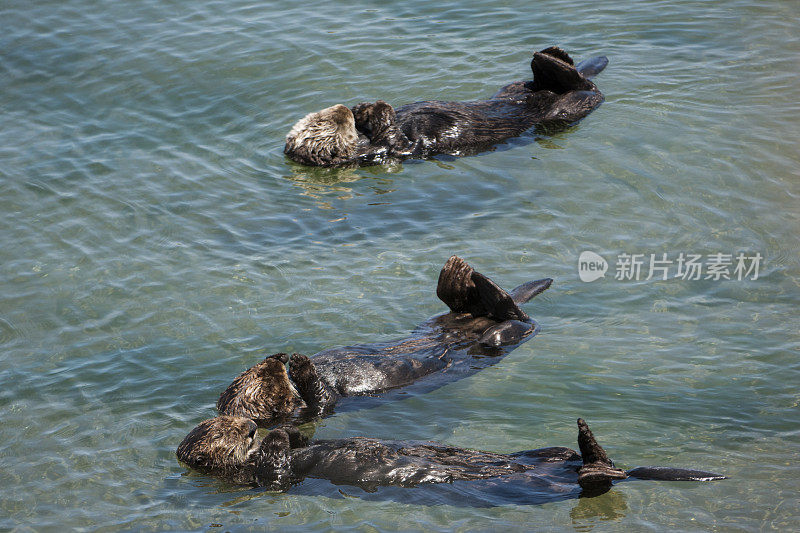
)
(284, 458)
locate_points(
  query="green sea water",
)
(155, 242)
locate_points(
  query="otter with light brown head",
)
(220, 445)
(560, 93)
(229, 447)
(262, 392)
(323, 138)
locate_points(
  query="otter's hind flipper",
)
(592, 67)
(559, 53)
(455, 287)
(598, 470)
(464, 290)
(497, 302)
(553, 70)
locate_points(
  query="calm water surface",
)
(156, 242)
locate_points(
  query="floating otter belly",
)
(484, 323)
(375, 133)
(284, 458)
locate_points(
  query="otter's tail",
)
(665, 473)
(526, 291)
(598, 470)
(591, 67)
(466, 291)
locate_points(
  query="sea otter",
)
(284, 458)
(376, 133)
(484, 323)
(227, 446)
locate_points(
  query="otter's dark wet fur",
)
(285, 458)
(484, 323)
(559, 94)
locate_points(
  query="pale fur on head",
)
(261, 392)
(223, 443)
(323, 137)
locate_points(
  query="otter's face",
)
(220, 444)
(323, 138)
(263, 392)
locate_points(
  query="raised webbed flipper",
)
(597, 472)
(466, 291)
(554, 71)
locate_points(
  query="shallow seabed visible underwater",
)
(156, 242)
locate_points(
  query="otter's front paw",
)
(373, 118)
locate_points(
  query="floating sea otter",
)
(484, 323)
(223, 446)
(375, 133)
